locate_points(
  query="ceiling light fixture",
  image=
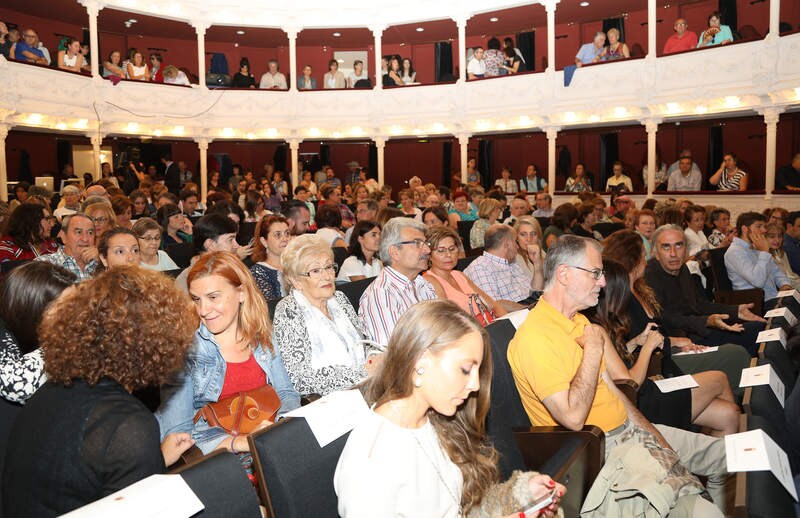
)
(337, 34)
(584, 4)
(493, 19)
(240, 32)
(420, 29)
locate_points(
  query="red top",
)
(676, 44)
(243, 376)
(9, 251)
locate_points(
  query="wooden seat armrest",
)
(192, 455)
(572, 457)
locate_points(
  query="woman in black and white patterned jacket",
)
(24, 295)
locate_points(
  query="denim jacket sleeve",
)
(176, 411)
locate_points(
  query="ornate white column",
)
(774, 19)
(651, 126)
(294, 146)
(200, 28)
(96, 139)
(771, 117)
(550, 6)
(552, 134)
(463, 142)
(651, 28)
(202, 145)
(380, 145)
(461, 22)
(4, 129)
(294, 74)
(377, 32)
(93, 8)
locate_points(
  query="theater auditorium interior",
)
(399, 258)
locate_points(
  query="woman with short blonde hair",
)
(316, 327)
(488, 214)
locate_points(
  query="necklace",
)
(439, 474)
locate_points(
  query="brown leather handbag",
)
(244, 412)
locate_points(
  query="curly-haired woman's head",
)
(113, 326)
(25, 293)
(441, 356)
(227, 299)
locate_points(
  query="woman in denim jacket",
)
(232, 353)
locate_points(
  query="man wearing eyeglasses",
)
(27, 49)
(404, 253)
(557, 359)
(683, 39)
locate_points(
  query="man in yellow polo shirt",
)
(556, 357)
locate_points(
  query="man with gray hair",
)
(591, 52)
(78, 254)
(404, 253)
(557, 359)
(497, 273)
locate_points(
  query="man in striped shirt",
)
(404, 253)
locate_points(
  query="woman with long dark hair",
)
(363, 260)
(429, 401)
(27, 233)
(271, 237)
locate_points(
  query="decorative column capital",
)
(651, 125)
(96, 138)
(552, 132)
(202, 143)
(380, 142)
(4, 129)
(93, 7)
(550, 5)
(461, 19)
(463, 138)
(294, 143)
(377, 30)
(292, 31)
(772, 114)
(200, 27)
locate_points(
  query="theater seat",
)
(295, 475)
(463, 232)
(462, 263)
(246, 232)
(353, 290)
(220, 483)
(339, 255)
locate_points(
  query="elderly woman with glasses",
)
(103, 217)
(315, 327)
(149, 234)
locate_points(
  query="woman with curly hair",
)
(232, 353)
(429, 401)
(27, 234)
(102, 339)
(272, 235)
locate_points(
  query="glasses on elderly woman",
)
(319, 273)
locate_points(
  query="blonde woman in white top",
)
(508, 185)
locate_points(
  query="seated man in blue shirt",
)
(27, 49)
(748, 260)
(591, 52)
(791, 240)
